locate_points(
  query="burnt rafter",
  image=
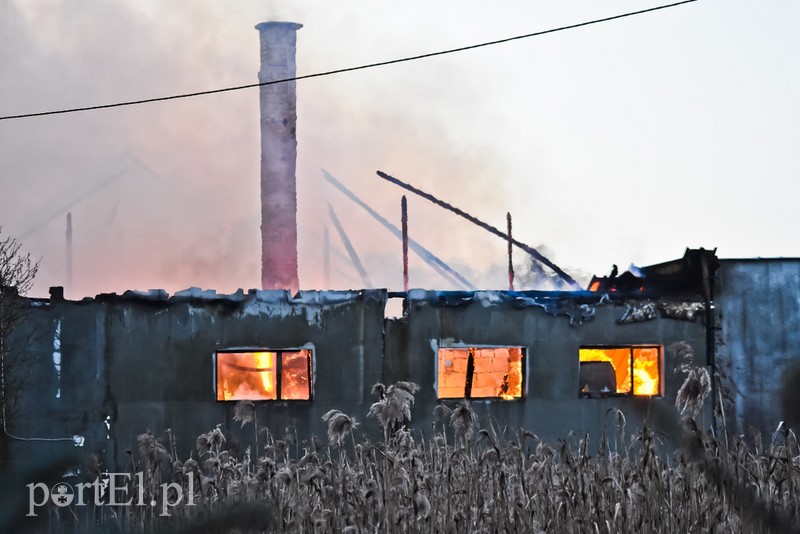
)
(351, 251)
(488, 227)
(428, 257)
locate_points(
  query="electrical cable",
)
(74, 439)
(340, 71)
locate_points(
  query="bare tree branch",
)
(17, 273)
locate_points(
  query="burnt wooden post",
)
(489, 228)
(510, 251)
(470, 372)
(326, 258)
(404, 223)
(278, 374)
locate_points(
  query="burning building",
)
(107, 368)
(110, 367)
(551, 361)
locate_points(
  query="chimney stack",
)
(278, 156)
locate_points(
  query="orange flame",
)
(294, 375)
(620, 359)
(265, 360)
(246, 375)
(645, 372)
(513, 382)
(646, 381)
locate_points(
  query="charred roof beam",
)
(351, 251)
(489, 228)
(428, 257)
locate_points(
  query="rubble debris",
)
(684, 311)
(636, 313)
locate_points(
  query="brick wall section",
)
(490, 369)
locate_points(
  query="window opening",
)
(625, 370)
(264, 375)
(480, 372)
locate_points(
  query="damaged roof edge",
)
(197, 295)
(692, 274)
(688, 277)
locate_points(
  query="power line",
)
(348, 69)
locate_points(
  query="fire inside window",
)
(480, 373)
(264, 375)
(627, 370)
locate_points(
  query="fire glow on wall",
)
(480, 372)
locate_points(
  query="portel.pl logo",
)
(112, 490)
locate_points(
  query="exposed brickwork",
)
(492, 368)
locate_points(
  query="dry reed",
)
(497, 482)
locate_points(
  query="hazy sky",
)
(624, 142)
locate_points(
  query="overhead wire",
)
(343, 70)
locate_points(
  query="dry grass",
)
(491, 480)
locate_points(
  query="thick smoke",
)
(614, 143)
(159, 194)
(166, 195)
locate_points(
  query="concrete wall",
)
(551, 327)
(138, 361)
(758, 315)
(145, 361)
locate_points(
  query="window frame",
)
(312, 369)
(469, 374)
(630, 347)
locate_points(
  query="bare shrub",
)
(17, 273)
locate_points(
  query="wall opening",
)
(57, 357)
(264, 374)
(620, 370)
(480, 373)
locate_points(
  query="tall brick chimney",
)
(278, 156)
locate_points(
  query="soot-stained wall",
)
(758, 310)
(551, 327)
(144, 361)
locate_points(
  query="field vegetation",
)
(467, 478)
